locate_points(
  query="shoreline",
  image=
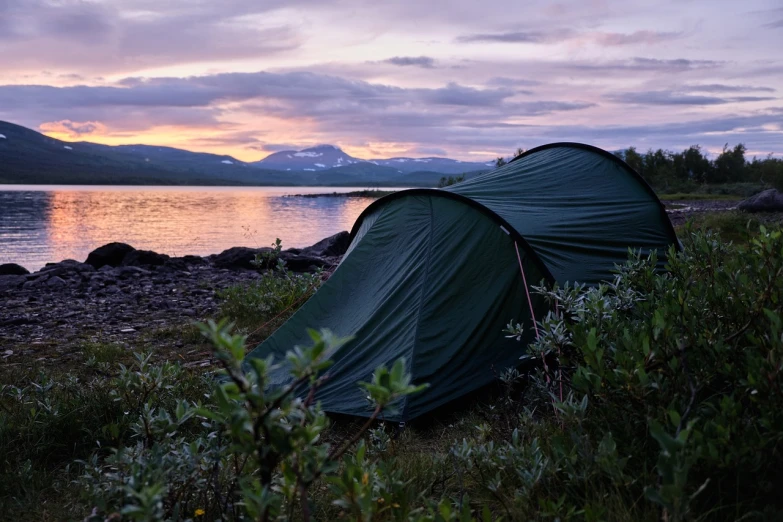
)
(125, 297)
(368, 193)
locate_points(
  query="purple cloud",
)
(675, 98)
(637, 37)
(518, 37)
(417, 61)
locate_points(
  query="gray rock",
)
(144, 258)
(302, 262)
(331, 246)
(237, 257)
(55, 282)
(129, 271)
(767, 201)
(11, 282)
(67, 266)
(111, 254)
(13, 269)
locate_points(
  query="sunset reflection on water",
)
(48, 224)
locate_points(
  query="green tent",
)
(435, 275)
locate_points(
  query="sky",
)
(467, 79)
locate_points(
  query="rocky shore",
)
(681, 211)
(123, 296)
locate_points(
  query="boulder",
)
(13, 269)
(767, 201)
(67, 266)
(303, 262)
(144, 258)
(237, 257)
(111, 255)
(331, 246)
(11, 281)
(55, 282)
(131, 271)
(192, 260)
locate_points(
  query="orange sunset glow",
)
(471, 82)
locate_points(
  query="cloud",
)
(425, 62)
(137, 34)
(276, 147)
(502, 81)
(676, 98)
(657, 64)
(775, 25)
(201, 91)
(604, 39)
(637, 37)
(73, 129)
(517, 37)
(429, 151)
(719, 87)
(323, 108)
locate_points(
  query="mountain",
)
(313, 159)
(29, 157)
(434, 164)
(324, 157)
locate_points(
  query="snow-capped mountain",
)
(27, 156)
(324, 157)
(313, 159)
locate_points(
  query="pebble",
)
(48, 313)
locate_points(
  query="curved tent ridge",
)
(579, 207)
(502, 223)
(616, 159)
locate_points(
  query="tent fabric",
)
(432, 275)
(579, 208)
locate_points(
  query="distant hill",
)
(29, 157)
(310, 160)
(434, 164)
(324, 157)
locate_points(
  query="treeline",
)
(680, 171)
(691, 170)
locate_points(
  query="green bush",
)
(677, 373)
(244, 452)
(266, 303)
(651, 397)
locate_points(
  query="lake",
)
(44, 223)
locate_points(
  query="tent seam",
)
(421, 299)
(469, 202)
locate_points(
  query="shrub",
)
(246, 451)
(264, 304)
(651, 397)
(677, 373)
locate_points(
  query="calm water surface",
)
(41, 223)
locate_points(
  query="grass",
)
(104, 352)
(63, 413)
(732, 225)
(52, 418)
(260, 307)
